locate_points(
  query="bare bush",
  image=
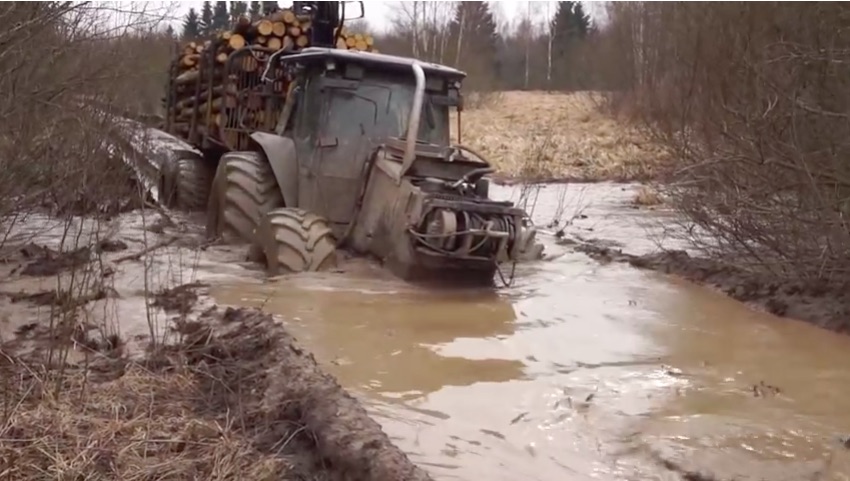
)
(753, 101)
(63, 62)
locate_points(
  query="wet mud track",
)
(580, 369)
(207, 393)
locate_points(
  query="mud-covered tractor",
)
(359, 156)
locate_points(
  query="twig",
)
(140, 254)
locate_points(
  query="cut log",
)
(288, 16)
(236, 41)
(360, 45)
(187, 77)
(295, 31)
(279, 29)
(221, 57)
(274, 43)
(264, 27)
(340, 43)
(191, 101)
(261, 40)
(302, 41)
(190, 60)
(350, 42)
(225, 35)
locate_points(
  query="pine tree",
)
(206, 24)
(570, 26)
(191, 25)
(237, 9)
(256, 10)
(169, 32)
(581, 21)
(221, 19)
(269, 7)
(475, 42)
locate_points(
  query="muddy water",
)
(578, 370)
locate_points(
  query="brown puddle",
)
(579, 370)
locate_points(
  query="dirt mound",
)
(236, 398)
(819, 303)
(290, 401)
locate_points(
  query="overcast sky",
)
(378, 12)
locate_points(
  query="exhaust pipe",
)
(413, 121)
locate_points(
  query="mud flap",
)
(280, 152)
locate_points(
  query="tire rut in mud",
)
(815, 302)
(254, 373)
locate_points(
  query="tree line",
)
(546, 46)
(215, 16)
(549, 47)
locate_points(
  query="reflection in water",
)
(382, 337)
(577, 371)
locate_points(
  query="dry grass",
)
(138, 425)
(581, 142)
(646, 197)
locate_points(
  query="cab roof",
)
(316, 53)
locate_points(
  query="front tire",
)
(244, 189)
(294, 240)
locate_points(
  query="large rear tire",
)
(294, 240)
(186, 185)
(244, 189)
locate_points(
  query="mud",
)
(178, 299)
(819, 303)
(292, 401)
(235, 376)
(87, 330)
(578, 370)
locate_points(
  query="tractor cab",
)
(340, 95)
(342, 107)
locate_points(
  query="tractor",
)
(359, 157)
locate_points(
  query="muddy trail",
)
(116, 364)
(579, 369)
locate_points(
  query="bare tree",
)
(426, 25)
(753, 101)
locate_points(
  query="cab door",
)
(308, 118)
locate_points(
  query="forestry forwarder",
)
(357, 155)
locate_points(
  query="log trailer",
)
(307, 149)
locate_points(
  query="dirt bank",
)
(235, 398)
(819, 303)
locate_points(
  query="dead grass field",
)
(549, 136)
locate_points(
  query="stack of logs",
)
(201, 99)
